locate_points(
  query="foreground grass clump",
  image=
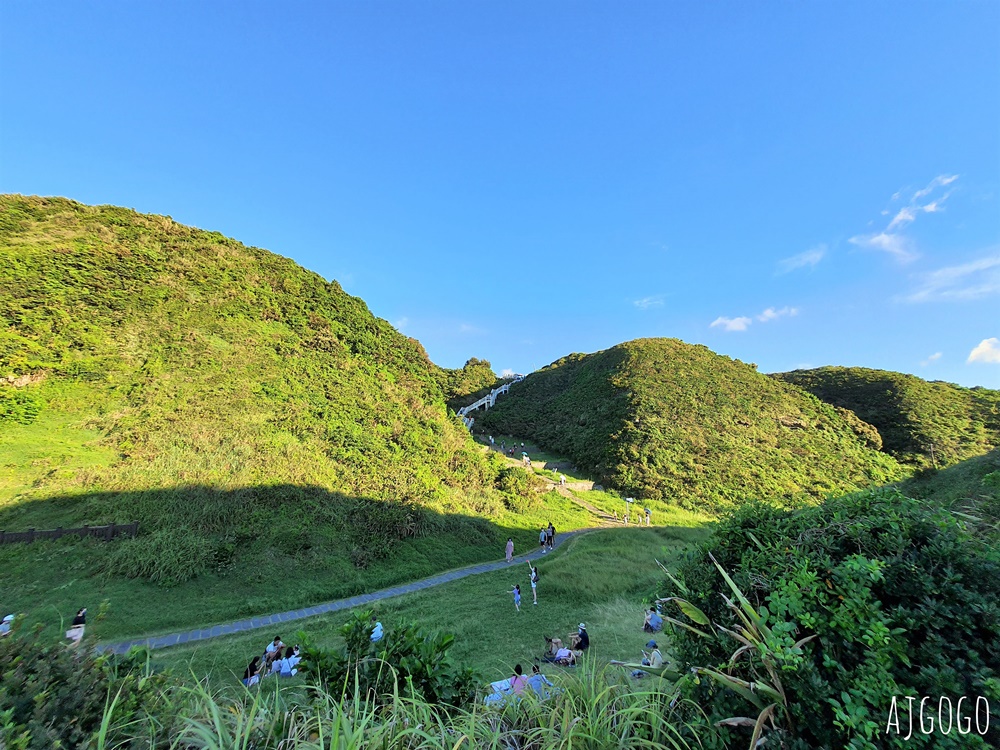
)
(594, 709)
(927, 424)
(847, 604)
(663, 420)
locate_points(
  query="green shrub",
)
(902, 601)
(407, 659)
(52, 696)
(167, 556)
(18, 406)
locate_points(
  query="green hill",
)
(268, 432)
(922, 423)
(662, 419)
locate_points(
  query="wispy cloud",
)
(507, 373)
(400, 324)
(891, 240)
(988, 350)
(743, 322)
(771, 314)
(731, 324)
(931, 359)
(894, 244)
(469, 328)
(806, 259)
(645, 303)
(978, 278)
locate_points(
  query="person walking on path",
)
(647, 516)
(516, 591)
(543, 538)
(550, 536)
(510, 550)
(534, 582)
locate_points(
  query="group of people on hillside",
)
(546, 541)
(277, 659)
(516, 591)
(517, 683)
(567, 654)
(547, 538)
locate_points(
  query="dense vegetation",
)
(843, 606)
(661, 419)
(270, 434)
(931, 424)
(467, 384)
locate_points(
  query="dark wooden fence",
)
(107, 533)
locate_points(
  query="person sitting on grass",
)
(286, 668)
(580, 640)
(538, 682)
(649, 659)
(565, 657)
(6, 625)
(653, 623)
(518, 681)
(273, 650)
(251, 675)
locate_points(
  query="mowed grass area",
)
(601, 578)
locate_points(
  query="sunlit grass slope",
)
(662, 419)
(923, 423)
(277, 442)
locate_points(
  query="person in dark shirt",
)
(580, 640)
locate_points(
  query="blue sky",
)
(791, 184)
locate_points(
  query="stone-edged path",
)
(253, 623)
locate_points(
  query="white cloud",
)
(891, 240)
(469, 328)
(507, 373)
(731, 324)
(933, 358)
(894, 244)
(645, 303)
(978, 278)
(901, 219)
(941, 180)
(771, 314)
(400, 324)
(988, 350)
(809, 258)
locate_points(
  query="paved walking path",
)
(242, 626)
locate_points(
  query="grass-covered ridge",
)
(926, 423)
(662, 419)
(276, 441)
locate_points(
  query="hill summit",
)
(662, 419)
(924, 423)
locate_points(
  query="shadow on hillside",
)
(204, 555)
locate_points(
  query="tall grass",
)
(595, 709)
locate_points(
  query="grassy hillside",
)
(268, 432)
(662, 419)
(923, 423)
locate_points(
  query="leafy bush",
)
(901, 600)
(408, 661)
(18, 406)
(168, 556)
(52, 696)
(519, 488)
